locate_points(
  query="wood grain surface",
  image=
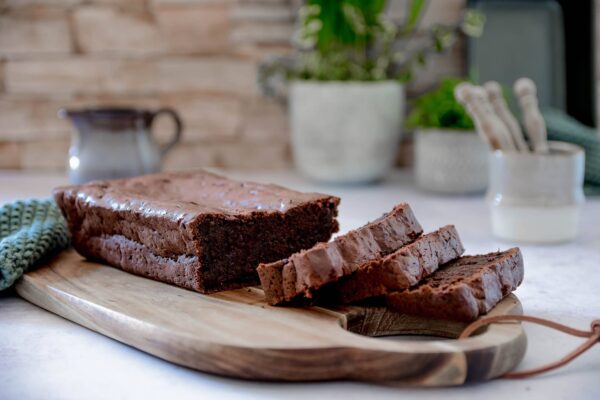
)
(235, 333)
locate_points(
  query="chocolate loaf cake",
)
(197, 230)
(399, 270)
(303, 273)
(463, 289)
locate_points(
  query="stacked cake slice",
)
(300, 275)
(464, 288)
(418, 274)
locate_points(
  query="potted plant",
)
(345, 84)
(449, 155)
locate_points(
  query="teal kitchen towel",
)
(29, 230)
(564, 128)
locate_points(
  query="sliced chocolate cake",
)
(399, 270)
(197, 230)
(303, 273)
(463, 289)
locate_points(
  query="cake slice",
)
(463, 289)
(303, 273)
(197, 230)
(397, 271)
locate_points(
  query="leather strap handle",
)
(593, 337)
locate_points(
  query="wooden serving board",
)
(235, 333)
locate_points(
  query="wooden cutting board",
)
(235, 333)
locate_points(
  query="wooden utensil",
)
(488, 125)
(235, 333)
(526, 92)
(500, 108)
(463, 94)
(494, 123)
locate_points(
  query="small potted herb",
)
(345, 83)
(449, 155)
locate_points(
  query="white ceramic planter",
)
(345, 132)
(450, 161)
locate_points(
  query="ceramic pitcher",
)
(116, 142)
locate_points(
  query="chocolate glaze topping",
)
(184, 194)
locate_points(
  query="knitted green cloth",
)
(567, 129)
(29, 230)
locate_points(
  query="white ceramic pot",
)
(345, 132)
(450, 161)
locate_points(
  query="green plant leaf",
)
(473, 22)
(414, 14)
(356, 40)
(439, 109)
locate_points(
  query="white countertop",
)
(45, 356)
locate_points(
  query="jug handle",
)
(164, 149)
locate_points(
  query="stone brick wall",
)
(198, 56)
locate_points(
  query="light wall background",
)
(197, 56)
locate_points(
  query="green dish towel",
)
(29, 231)
(564, 128)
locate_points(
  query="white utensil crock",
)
(537, 197)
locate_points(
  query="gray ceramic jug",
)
(116, 142)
